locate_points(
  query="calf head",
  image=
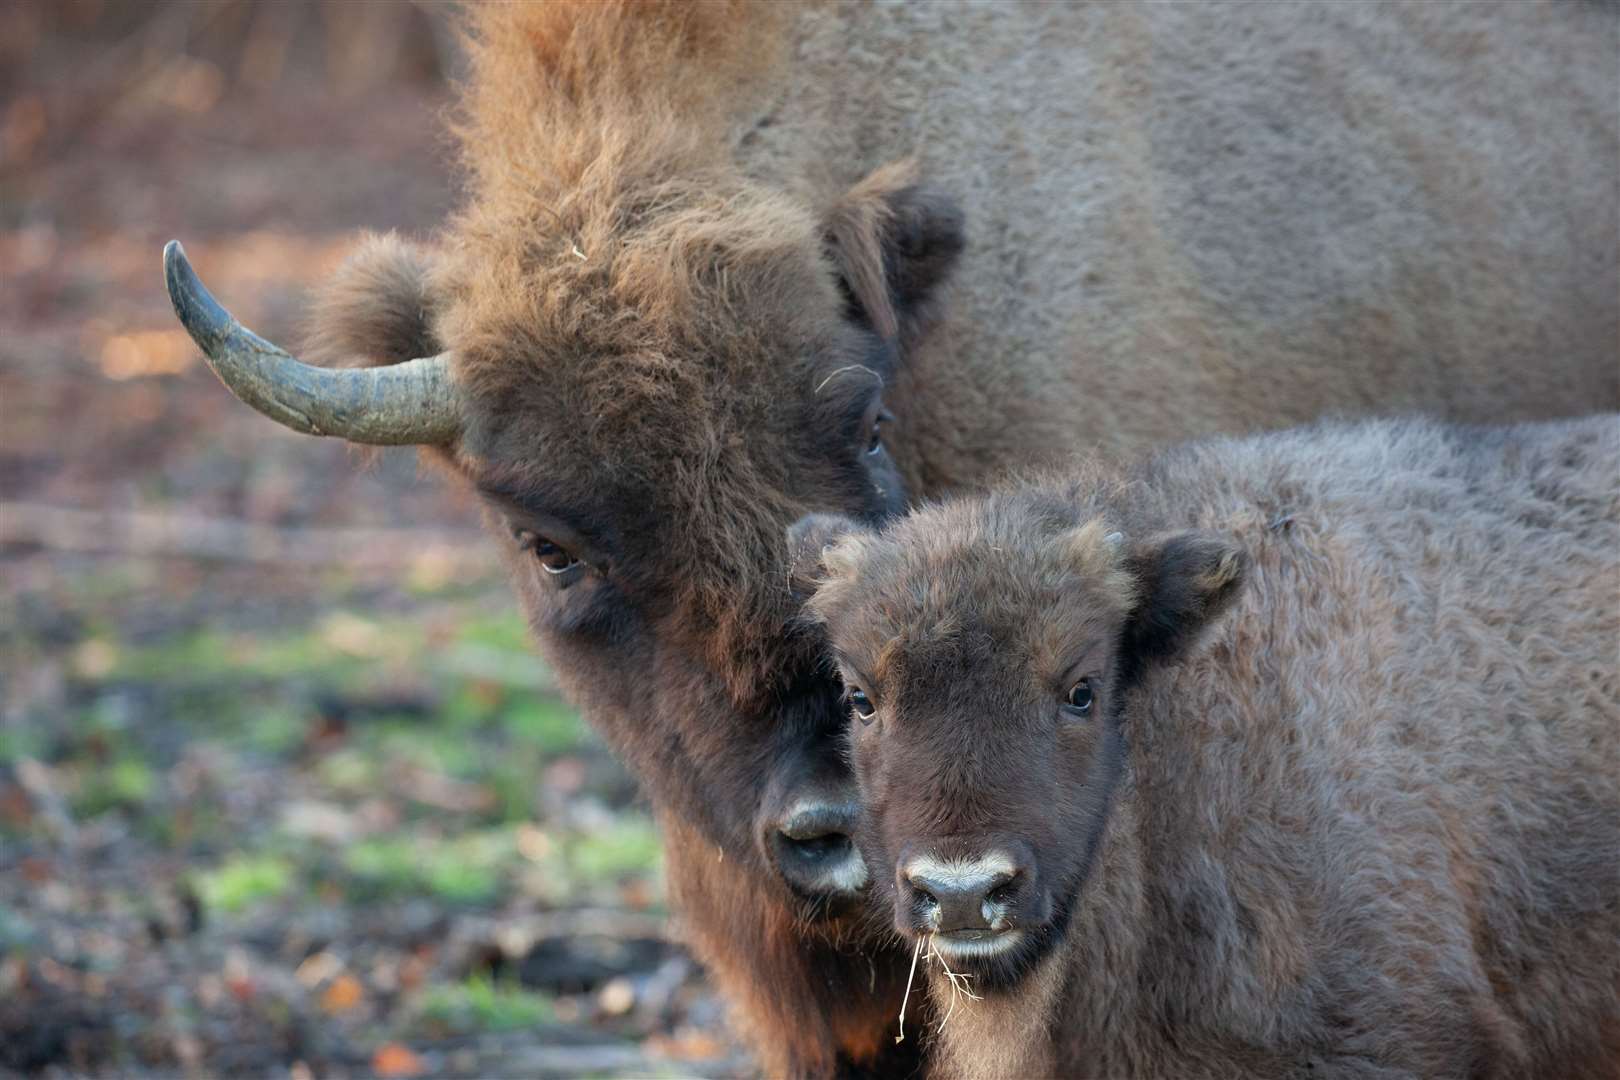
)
(989, 649)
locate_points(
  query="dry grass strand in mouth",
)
(957, 979)
(914, 953)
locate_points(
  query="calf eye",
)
(1079, 697)
(861, 704)
(876, 443)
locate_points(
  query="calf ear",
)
(377, 309)
(1184, 582)
(894, 242)
(808, 540)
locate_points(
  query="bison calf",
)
(1280, 756)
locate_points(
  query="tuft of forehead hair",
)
(887, 622)
(1018, 560)
(578, 94)
(605, 221)
(1095, 551)
(1090, 588)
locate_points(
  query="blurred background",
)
(283, 788)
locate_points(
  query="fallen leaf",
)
(617, 996)
(95, 658)
(344, 994)
(392, 1059)
(238, 975)
(317, 968)
(412, 972)
(533, 843)
(144, 353)
(685, 1044)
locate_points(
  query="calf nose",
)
(957, 894)
(813, 849)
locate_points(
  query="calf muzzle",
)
(970, 896)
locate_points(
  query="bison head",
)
(646, 388)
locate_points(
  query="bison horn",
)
(415, 402)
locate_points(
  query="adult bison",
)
(707, 250)
(1296, 754)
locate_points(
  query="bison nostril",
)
(828, 845)
(813, 822)
(813, 850)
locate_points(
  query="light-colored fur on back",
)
(1188, 219)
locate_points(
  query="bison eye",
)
(1079, 698)
(861, 704)
(554, 560)
(875, 443)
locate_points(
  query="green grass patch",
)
(244, 880)
(465, 869)
(506, 632)
(275, 729)
(349, 770)
(389, 864)
(125, 782)
(199, 655)
(514, 777)
(547, 723)
(473, 705)
(18, 743)
(481, 1005)
(628, 846)
(424, 744)
(337, 649)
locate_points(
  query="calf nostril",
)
(965, 895)
(1002, 888)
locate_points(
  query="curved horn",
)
(415, 402)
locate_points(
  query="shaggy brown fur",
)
(700, 239)
(668, 361)
(1358, 702)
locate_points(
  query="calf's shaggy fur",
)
(1346, 801)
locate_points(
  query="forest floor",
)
(284, 789)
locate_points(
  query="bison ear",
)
(1184, 582)
(808, 539)
(378, 308)
(893, 241)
